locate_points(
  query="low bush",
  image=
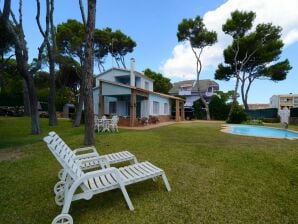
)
(271, 120)
(253, 122)
(238, 116)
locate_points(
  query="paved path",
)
(151, 126)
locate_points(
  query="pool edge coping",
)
(226, 128)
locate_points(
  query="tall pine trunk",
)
(51, 98)
(35, 127)
(88, 76)
(26, 100)
(79, 106)
(15, 29)
(21, 53)
(234, 97)
(199, 68)
(51, 46)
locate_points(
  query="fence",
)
(294, 115)
(262, 113)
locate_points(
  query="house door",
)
(138, 109)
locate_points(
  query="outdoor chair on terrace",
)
(97, 123)
(114, 123)
(98, 181)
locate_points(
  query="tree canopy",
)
(71, 42)
(102, 43)
(161, 83)
(121, 46)
(252, 54)
(70, 39)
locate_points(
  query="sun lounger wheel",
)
(60, 174)
(59, 187)
(59, 198)
(62, 219)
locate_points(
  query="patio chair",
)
(114, 123)
(95, 182)
(97, 123)
(89, 158)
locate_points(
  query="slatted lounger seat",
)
(88, 156)
(98, 181)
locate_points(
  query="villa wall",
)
(164, 118)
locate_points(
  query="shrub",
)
(199, 109)
(219, 110)
(271, 120)
(238, 115)
(63, 96)
(253, 122)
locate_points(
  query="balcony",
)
(209, 94)
(184, 92)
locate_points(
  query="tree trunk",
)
(27, 111)
(51, 99)
(88, 76)
(234, 99)
(33, 105)
(206, 106)
(244, 100)
(51, 46)
(79, 107)
(199, 68)
(123, 62)
(22, 64)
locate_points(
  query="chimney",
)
(132, 74)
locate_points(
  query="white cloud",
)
(283, 13)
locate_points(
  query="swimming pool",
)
(260, 131)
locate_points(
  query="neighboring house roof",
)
(204, 84)
(140, 74)
(143, 90)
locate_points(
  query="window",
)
(166, 108)
(155, 107)
(112, 107)
(146, 85)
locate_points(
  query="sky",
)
(153, 25)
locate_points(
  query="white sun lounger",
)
(98, 181)
(89, 157)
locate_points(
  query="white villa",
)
(129, 94)
(189, 89)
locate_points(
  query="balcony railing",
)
(209, 94)
(184, 92)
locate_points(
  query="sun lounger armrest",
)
(86, 155)
(88, 148)
(104, 163)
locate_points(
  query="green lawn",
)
(215, 177)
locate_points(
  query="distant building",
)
(258, 106)
(284, 101)
(189, 90)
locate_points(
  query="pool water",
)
(261, 131)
